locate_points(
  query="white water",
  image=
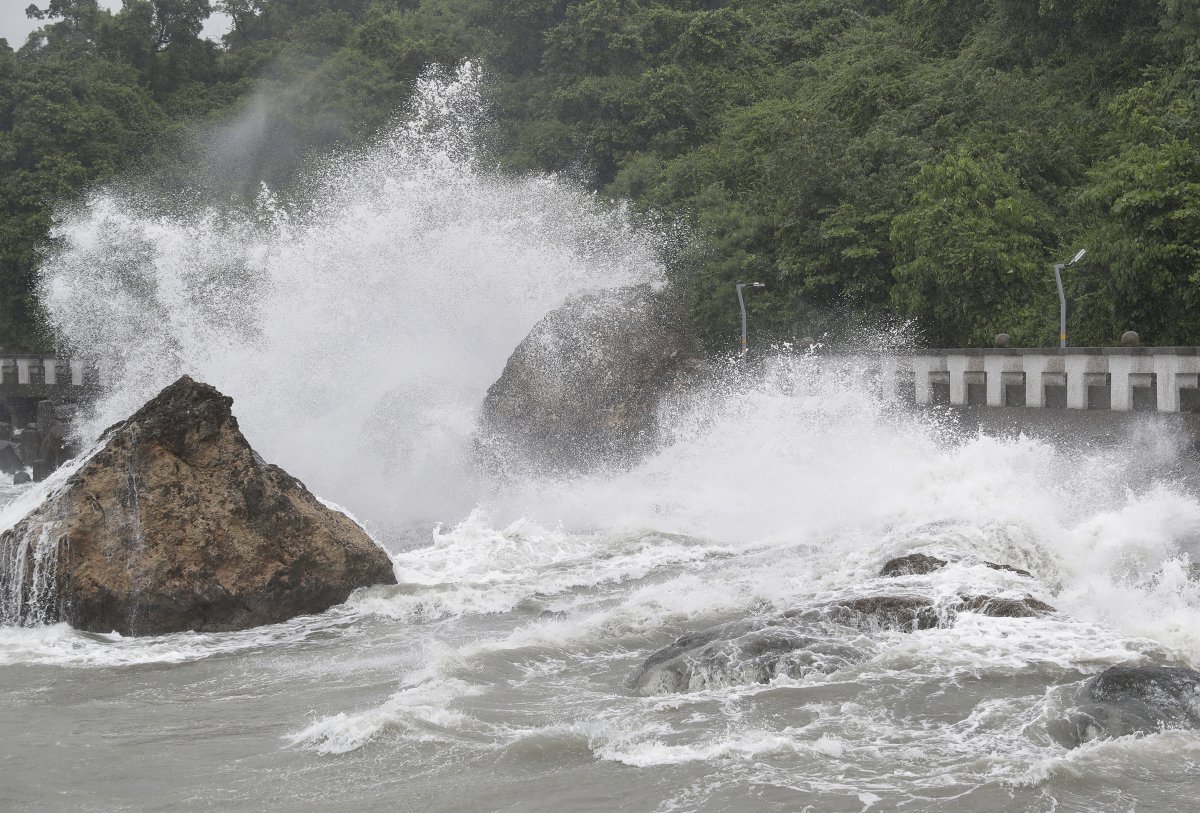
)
(358, 326)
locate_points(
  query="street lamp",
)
(742, 305)
(1062, 299)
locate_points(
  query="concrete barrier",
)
(1120, 379)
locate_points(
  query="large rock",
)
(176, 524)
(1125, 700)
(582, 390)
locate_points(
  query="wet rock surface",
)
(1126, 700)
(177, 524)
(582, 390)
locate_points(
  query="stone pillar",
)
(1119, 368)
(887, 378)
(957, 365)
(993, 368)
(1165, 368)
(921, 367)
(1077, 388)
(23, 366)
(1035, 393)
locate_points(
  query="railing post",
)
(993, 368)
(1035, 388)
(1077, 391)
(957, 366)
(1168, 389)
(1119, 368)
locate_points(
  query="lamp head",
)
(1079, 256)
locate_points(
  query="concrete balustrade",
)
(1121, 379)
(33, 375)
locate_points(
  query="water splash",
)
(358, 320)
(29, 571)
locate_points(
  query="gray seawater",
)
(496, 676)
(357, 328)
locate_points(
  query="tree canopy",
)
(926, 160)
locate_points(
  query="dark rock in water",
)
(1027, 607)
(54, 446)
(749, 652)
(176, 524)
(41, 470)
(1127, 700)
(804, 641)
(1010, 569)
(919, 564)
(5, 431)
(21, 477)
(582, 390)
(10, 458)
(905, 613)
(914, 564)
(45, 416)
(29, 444)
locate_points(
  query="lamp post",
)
(1062, 299)
(742, 305)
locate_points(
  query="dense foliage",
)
(913, 159)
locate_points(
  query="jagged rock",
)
(1126, 700)
(914, 564)
(582, 390)
(176, 524)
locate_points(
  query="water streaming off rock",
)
(357, 326)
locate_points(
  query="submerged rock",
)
(582, 390)
(749, 652)
(1125, 700)
(997, 607)
(1009, 568)
(904, 613)
(914, 564)
(805, 641)
(177, 524)
(920, 564)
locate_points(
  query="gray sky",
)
(15, 27)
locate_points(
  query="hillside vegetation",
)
(924, 160)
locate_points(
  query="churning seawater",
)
(357, 330)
